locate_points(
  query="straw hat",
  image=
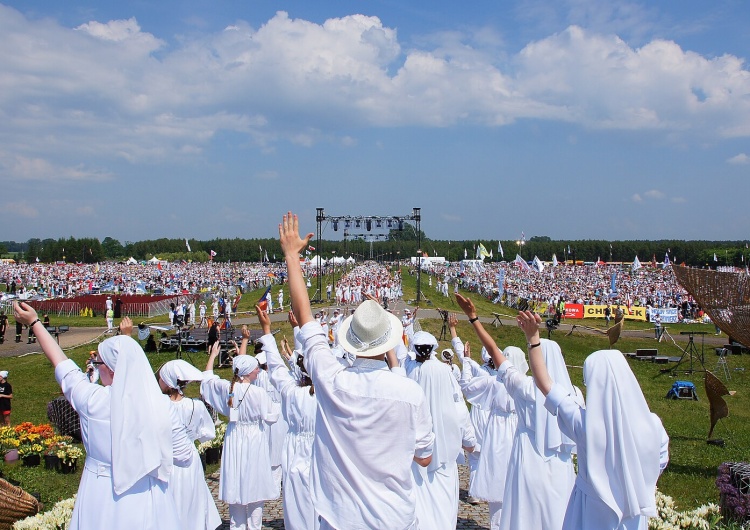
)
(370, 331)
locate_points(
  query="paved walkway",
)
(470, 517)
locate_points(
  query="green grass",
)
(689, 478)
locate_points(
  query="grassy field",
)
(689, 478)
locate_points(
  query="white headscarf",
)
(139, 416)
(244, 364)
(517, 357)
(179, 370)
(623, 437)
(548, 439)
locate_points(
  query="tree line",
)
(396, 246)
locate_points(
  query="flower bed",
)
(733, 482)
(34, 441)
(58, 518)
(704, 518)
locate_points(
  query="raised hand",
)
(529, 323)
(291, 242)
(264, 320)
(466, 305)
(293, 320)
(126, 326)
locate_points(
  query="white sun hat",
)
(370, 331)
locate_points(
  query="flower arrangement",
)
(32, 439)
(8, 439)
(733, 481)
(217, 441)
(69, 454)
(58, 518)
(706, 517)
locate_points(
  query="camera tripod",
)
(690, 352)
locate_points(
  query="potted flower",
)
(211, 450)
(31, 453)
(69, 455)
(9, 443)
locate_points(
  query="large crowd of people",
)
(360, 432)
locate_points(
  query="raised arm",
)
(215, 349)
(292, 244)
(529, 323)
(242, 350)
(25, 314)
(470, 311)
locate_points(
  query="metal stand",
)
(722, 363)
(690, 351)
(444, 314)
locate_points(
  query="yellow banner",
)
(597, 311)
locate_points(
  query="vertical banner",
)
(501, 282)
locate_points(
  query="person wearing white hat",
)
(131, 434)
(246, 481)
(540, 473)
(622, 445)
(300, 406)
(371, 423)
(188, 486)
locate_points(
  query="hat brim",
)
(397, 332)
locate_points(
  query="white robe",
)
(437, 484)
(622, 447)
(490, 398)
(195, 504)
(537, 487)
(278, 430)
(299, 409)
(244, 480)
(147, 504)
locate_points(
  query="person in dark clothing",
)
(6, 394)
(3, 326)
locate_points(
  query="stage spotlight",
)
(357, 223)
(368, 224)
(347, 224)
(378, 223)
(335, 225)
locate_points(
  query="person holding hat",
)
(194, 501)
(371, 423)
(300, 406)
(131, 434)
(246, 481)
(6, 394)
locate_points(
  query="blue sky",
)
(578, 119)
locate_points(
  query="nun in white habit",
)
(488, 394)
(437, 484)
(195, 504)
(540, 469)
(622, 445)
(299, 406)
(131, 434)
(246, 480)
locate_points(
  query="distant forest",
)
(397, 245)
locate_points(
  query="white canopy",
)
(350, 259)
(131, 261)
(154, 260)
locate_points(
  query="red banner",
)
(573, 310)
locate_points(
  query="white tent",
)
(131, 261)
(154, 260)
(315, 259)
(337, 260)
(350, 259)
